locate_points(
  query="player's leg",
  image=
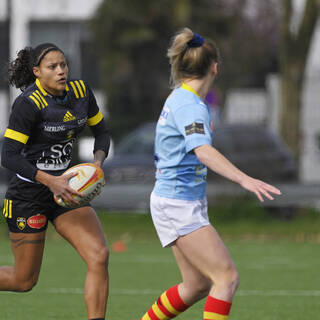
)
(172, 302)
(81, 227)
(205, 250)
(170, 215)
(194, 285)
(27, 249)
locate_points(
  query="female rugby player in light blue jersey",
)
(183, 152)
(44, 123)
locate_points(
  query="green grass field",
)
(278, 262)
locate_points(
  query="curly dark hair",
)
(19, 71)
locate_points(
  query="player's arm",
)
(193, 123)
(22, 119)
(98, 157)
(214, 160)
(99, 130)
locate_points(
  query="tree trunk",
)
(293, 57)
(291, 89)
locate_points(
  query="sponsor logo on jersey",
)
(54, 128)
(194, 127)
(57, 157)
(164, 115)
(37, 222)
(68, 117)
(201, 170)
(82, 121)
(70, 133)
(21, 223)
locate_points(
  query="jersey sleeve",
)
(98, 126)
(22, 119)
(94, 114)
(194, 124)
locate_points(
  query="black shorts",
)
(29, 206)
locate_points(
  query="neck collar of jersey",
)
(187, 87)
(44, 92)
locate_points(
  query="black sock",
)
(97, 319)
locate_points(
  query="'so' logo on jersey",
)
(57, 157)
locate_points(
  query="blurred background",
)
(265, 101)
(265, 105)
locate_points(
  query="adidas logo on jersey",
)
(68, 117)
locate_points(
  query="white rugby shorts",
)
(174, 218)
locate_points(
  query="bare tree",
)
(294, 48)
(132, 38)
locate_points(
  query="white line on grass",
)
(297, 293)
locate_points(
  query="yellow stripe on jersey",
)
(74, 89)
(214, 316)
(146, 317)
(158, 312)
(4, 211)
(38, 99)
(10, 209)
(16, 135)
(35, 101)
(79, 88)
(67, 87)
(42, 98)
(40, 87)
(166, 303)
(95, 119)
(83, 87)
(7, 208)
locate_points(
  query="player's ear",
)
(214, 68)
(36, 71)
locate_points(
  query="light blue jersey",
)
(184, 124)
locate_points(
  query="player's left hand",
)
(259, 188)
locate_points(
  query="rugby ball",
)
(88, 181)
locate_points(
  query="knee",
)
(229, 278)
(99, 257)
(233, 279)
(26, 285)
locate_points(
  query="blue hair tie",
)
(196, 41)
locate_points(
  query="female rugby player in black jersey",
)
(44, 122)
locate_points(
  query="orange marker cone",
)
(119, 246)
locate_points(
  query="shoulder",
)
(180, 97)
(79, 88)
(183, 101)
(34, 96)
(26, 103)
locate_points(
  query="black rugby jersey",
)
(43, 129)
